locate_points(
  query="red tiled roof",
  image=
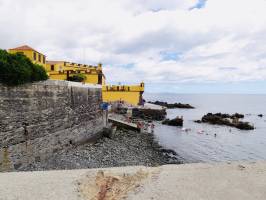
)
(25, 47)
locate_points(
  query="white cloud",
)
(162, 40)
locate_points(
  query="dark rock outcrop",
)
(224, 116)
(227, 120)
(244, 126)
(149, 114)
(198, 121)
(260, 115)
(237, 115)
(169, 151)
(172, 105)
(178, 121)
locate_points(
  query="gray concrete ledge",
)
(68, 83)
(243, 181)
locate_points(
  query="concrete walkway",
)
(243, 181)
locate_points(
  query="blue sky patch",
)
(167, 55)
(129, 65)
(200, 4)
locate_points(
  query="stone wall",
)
(36, 120)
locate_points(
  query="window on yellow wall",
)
(43, 59)
(34, 56)
(52, 67)
(39, 58)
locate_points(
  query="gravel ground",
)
(126, 148)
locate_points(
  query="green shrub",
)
(77, 78)
(38, 73)
(17, 69)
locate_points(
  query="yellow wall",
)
(129, 97)
(57, 66)
(58, 76)
(92, 78)
(131, 94)
(30, 55)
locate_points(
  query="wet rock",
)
(172, 105)
(107, 132)
(227, 120)
(220, 119)
(244, 126)
(169, 151)
(149, 114)
(222, 115)
(198, 121)
(237, 115)
(260, 115)
(178, 121)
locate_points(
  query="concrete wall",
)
(39, 119)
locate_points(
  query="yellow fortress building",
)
(62, 70)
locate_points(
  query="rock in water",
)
(172, 105)
(237, 115)
(244, 126)
(149, 114)
(260, 115)
(227, 120)
(178, 121)
(198, 121)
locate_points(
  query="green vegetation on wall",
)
(17, 69)
(77, 78)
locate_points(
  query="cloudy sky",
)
(182, 46)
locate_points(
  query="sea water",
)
(214, 143)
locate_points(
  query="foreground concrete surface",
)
(190, 181)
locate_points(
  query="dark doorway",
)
(100, 79)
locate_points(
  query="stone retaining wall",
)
(38, 119)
